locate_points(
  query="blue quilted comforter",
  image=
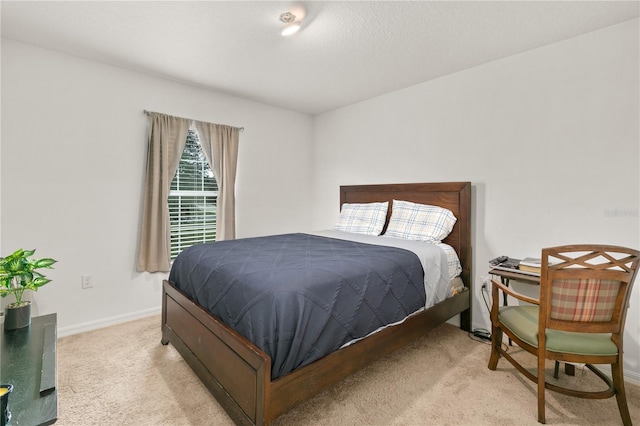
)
(299, 297)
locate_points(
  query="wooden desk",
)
(516, 275)
(29, 364)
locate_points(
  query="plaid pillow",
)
(367, 219)
(583, 299)
(413, 221)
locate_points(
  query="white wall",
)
(549, 139)
(72, 172)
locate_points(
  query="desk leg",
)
(569, 369)
(505, 282)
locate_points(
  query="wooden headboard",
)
(455, 196)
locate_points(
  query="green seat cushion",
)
(523, 322)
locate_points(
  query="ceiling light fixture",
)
(291, 25)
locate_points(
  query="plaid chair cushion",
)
(413, 221)
(367, 218)
(583, 299)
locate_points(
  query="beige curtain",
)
(167, 138)
(220, 146)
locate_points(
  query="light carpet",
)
(123, 375)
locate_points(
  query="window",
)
(192, 199)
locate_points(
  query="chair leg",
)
(556, 369)
(496, 342)
(541, 383)
(621, 396)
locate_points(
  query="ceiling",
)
(346, 51)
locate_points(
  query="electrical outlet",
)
(485, 282)
(87, 281)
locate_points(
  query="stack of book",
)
(528, 265)
(531, 264)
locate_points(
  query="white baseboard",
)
(632, 377)
(629, 376)
(106, 322)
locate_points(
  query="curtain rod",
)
(241, 129)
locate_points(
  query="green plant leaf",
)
(40, 281)
(44, 263)
(25, 279)
(16, 254)
(15, 265)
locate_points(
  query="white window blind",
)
(192, 199)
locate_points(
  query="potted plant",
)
(18, 273)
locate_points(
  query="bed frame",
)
(238, 373)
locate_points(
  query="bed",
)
(239, 374)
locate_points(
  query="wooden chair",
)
(579, 317)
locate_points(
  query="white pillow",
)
(367, 219)
(413, 221)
